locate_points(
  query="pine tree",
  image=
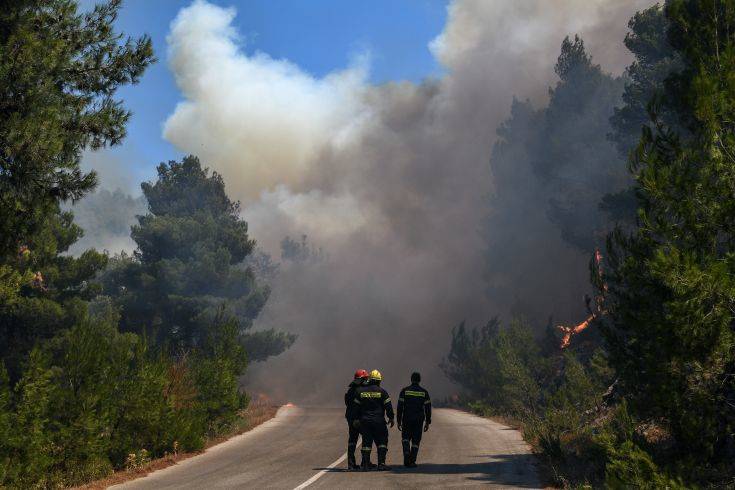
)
(654, 61)
(186, 276)
(59, 71)
(672, 282)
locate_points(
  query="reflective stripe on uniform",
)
(415, 393)
(404, 440)
(387, 400)
(371, 394)
(427, 402)
(401, 400)
(366, 449)
(383, 446)
(356, 401)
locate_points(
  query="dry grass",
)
(250, 418)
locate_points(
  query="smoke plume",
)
(390, 180)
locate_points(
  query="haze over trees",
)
(644, 397)
(551, 168)
(107, 360)
(106, 217)
(184, 273)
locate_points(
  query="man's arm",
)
(355, 407)
(399, 407)
(427, 408)
(349, 396)
(388, 407)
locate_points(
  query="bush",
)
(92, 397)
(628, 466)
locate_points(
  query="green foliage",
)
(78, 397)
(563, 401)
(59, 71)
(216, 368)
(512, 372)
(629, 466)
(90, 397)
(655, 60)
(498, 367)
(48, 289)
(558, 398)
(671, 281)
(666, 416)
(186, 272)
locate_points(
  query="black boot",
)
(406, 452)
(351, 463)
(412, 457)
(365, 463)
(382, 451)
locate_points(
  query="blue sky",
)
(318, 35)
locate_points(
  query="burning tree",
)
(595, 310)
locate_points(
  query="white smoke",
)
(391, 180)
(262, 122)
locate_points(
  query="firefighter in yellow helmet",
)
(371, 406)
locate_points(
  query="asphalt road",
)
(305, 446)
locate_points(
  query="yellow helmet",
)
(375, 374)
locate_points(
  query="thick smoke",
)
(107, 215)
(391, 180)
(106, 218)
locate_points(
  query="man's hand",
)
(426, 426)
(399, 426)
(391, 422)
(356, 423)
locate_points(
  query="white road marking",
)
(321, 473)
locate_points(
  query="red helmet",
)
(361, 373)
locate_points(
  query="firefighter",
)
(414, 416)
(371, 406)
(361, 377)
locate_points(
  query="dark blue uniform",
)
(371, 406)
(414, 408)
(352, 431)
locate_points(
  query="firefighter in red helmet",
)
(361, 377)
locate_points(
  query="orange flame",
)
(569, 331)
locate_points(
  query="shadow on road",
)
(501, 469)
